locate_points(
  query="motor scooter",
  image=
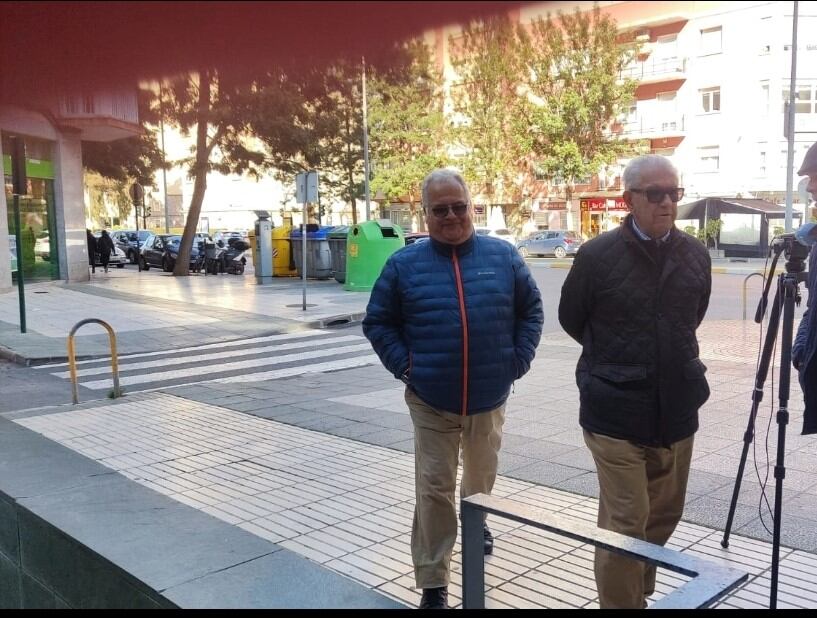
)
(233, 259)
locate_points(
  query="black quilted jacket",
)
(639, 375)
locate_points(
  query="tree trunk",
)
(182, 267)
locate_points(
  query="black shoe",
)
(489, 540)
(434, 598)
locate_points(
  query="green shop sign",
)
(35, 168)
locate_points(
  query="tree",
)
(572, 66)
(309, 118)
(408, 130)
(488, 128)
(110, 167)
(218, 112)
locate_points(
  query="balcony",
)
(101, 117)
(652, 70)
(652, 127)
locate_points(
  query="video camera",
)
(790, 246)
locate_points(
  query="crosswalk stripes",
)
(248, 360)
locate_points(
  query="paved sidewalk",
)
(348, 506)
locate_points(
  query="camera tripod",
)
(788, 294)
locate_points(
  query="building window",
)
(764, 98)
(709, 159)
(666, 47)
(765, 34)
(761, 159)
(805, 100)
(710, 100)
(711, 41)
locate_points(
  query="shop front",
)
(39, 253)
(601, 214)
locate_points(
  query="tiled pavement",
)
(348, 505)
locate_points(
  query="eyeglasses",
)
(441, 210)
(656, 196)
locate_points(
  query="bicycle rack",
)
(72, 361)
(745, 281)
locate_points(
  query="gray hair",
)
(632, 173)
(444, 174)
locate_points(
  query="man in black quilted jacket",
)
(634, 299)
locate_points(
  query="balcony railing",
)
(652, 69)
(119, 106)
(649, 126)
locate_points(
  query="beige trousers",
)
(437, 439)
(641, 494)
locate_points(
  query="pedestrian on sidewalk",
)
(92, 249)
(106, 247)
(634, 299)
(804, 350)
(457, 318)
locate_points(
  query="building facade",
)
(713, 81)
(52, 212)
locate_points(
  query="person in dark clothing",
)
(634, 299)
(804, 349)
(92, 249)
(105, 247)
(457, 319)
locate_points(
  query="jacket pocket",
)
(619, 374)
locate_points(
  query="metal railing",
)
(665, 125)
(72, 357)
(745, 281)
(670, 68)
(118, 105)
(709, 581)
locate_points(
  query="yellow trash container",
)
(251, 238)
(282, 258)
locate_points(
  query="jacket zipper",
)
(461, 298)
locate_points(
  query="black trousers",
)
(105, 258)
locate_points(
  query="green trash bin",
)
(368, 246)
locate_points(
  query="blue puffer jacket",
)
(463, 321)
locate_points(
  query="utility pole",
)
(164, 171)
(790, 123)
(366, 147)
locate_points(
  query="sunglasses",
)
(441, 210)
(656, 196)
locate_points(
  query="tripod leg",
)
(757, 397)
(790, 293)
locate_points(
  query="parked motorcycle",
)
(233, 259)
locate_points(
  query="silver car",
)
(558, 243)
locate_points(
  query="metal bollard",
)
(72, 361)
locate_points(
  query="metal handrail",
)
(710, 581)
(745, 281)
(72, 360)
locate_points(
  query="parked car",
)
(162, 250)
(559, 243)
(413, 237)
(502, 233)
(126, 240)
(118, 257)
(227, 237)
(42, 247)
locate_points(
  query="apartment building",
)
(53, 211)
(713, 78)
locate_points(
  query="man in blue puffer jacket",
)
(458, 319)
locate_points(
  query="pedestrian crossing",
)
(248, 360)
